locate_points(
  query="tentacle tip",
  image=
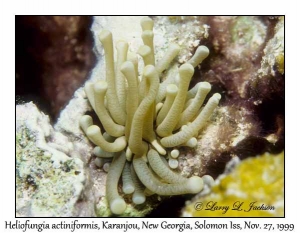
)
(104, 35)
(158, 147)
(127, 65)
(205, 86)
(192, 142)
(147, 23)
(173, 163)
(121, 142)
(144, 50)
(128, 189)
(118, 206)
(163, 141)
(195, 184)
(149, 71)
(138, 199)
(175, 47)
(172, 89)
(208, 180)
(186, 70)
(93, 130)
(174, 153)
(85, 118)
(100, 86)
(203, 50)
(217, 96)
(98, 162)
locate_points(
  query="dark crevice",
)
(170, 207)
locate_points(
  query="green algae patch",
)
(132, 210)
(255, 188)
(280, 63)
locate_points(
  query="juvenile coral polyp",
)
(146, 120)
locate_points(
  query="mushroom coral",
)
(144, 118)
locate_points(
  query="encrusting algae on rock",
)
(48, 182)
(255, 188)
(143, 118)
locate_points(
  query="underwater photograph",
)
(150, 116)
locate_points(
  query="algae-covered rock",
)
(254, 188)
(273, 59)
(48, 182)
(268, 81)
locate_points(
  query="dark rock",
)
(53, 57)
